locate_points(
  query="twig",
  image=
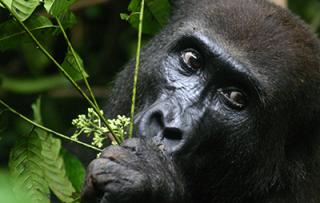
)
(136, 70)
(78, 62)
(45, 128)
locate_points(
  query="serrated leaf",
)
(52, 161)
(26, 170)
(12, 35)
(24, 8)
(75, 170)
(54, 168)
(70, 65)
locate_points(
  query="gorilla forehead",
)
(264, 38)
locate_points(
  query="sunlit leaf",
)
(26, 170)
(52, 162)
(24, 8)
(6, 2)
(54, 168)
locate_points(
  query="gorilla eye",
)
(235, 98)
(192, 59)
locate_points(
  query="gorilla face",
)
(228, 111)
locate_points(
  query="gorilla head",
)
(228, 111)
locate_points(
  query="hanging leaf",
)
(26, 170)
(156, 15)
(70, 65)
(160, 10)
(24, 8)
(12, 35)
(75, 170)
(68, 19)
(57, 7)
(52, 162)
(54, 168)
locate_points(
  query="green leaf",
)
(6, 2)
(26, 170)
(156, 15)
(52, 161)
(12, 35)
(54, 168)
(70, 65)
(134, 5)
(48, 4)
(24, 8)
(68, 19)
(58, 7)
(6, 194)
(36, 108)
(32, 85)
(160, 10)
(124, 16)
(75, 170)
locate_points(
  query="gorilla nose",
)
(162, 124)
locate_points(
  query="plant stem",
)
(136, 69)
(111, 135)
(78, 62)
(45, 128)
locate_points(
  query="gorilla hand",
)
(137, 171)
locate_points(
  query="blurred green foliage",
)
(308, 10)
(6, 194)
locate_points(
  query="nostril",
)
(150, 123)
(174, 134)
(157, 118)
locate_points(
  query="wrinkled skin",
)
(228, 111)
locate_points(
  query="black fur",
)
(194, 145)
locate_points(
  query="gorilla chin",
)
(228, 111)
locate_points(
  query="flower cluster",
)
(92, 126)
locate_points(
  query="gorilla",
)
(228, 111)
